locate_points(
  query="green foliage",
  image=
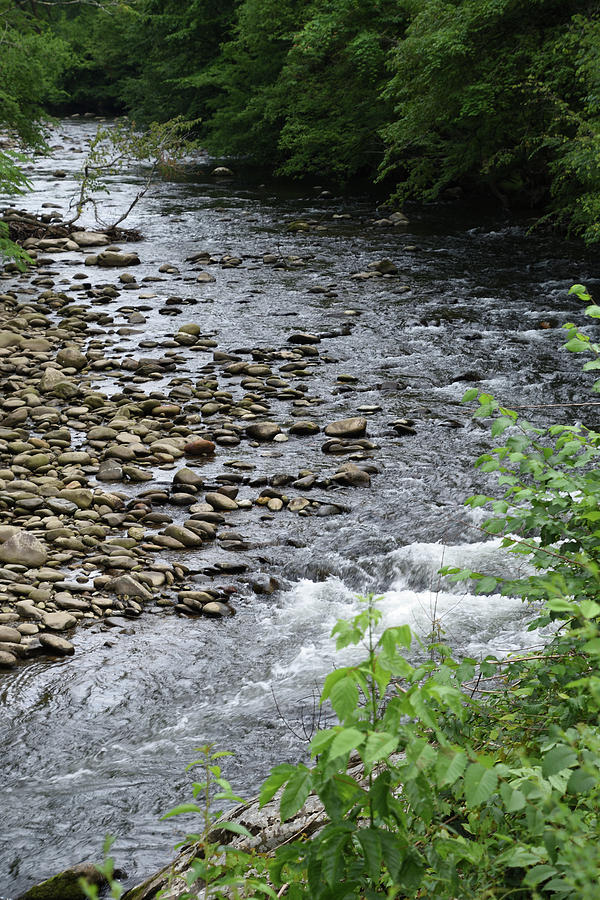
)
(218, 870)
(32, 60)
(503, 92)
(456, 797)
(300, 84)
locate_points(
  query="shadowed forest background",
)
(500, 97)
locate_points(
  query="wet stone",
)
(7, 660)
(52, 643)
(347, 428)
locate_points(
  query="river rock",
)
(127, 585)
(56, 644)
(303, 337)
(347, 428)
(385, 266)
(24, 549)
(7, 660)
(304, 427)
(199, 447)
(71, 358)
(27, 610)
(65, 886)
(9, 635)
(90, 238)
(58, 621)
(10, 339)
(352, 475)
(113, 259)
(222, 172)
(81, 497)
(109, 471)
(216, 609)
(298, 504)
(186, 476)
(184, 535)
(263, 431)
(7, 531)
(220, 501)
(54, 382)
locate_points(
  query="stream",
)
(98, 743)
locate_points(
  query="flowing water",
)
(99, 742)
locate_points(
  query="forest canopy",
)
(497, 96)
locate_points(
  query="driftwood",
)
(23, 225)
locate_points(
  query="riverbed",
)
(98, 743)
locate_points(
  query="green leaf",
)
(593, 311)
(557, 759)
(379, 745)
(479, 785)
(469, 395)
(401, 635)
(278, 777)
(486, 585)
(581, 782)
(580, 290)
(449, 766)
(295, 793)
(344, 697)
(368, 838)
(514, 800)
(592, 646)
(539, 874)
(589, 608)
(322, 740)
(500, 425)
(346, 739)
(576, 345)
(421, 754)
(182, 809)
(392, 852)
(519, 856)
(558, 604)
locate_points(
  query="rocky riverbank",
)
(116, 471)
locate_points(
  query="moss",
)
(65, 885)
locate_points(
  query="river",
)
(98, 743)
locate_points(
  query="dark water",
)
(99, 743)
